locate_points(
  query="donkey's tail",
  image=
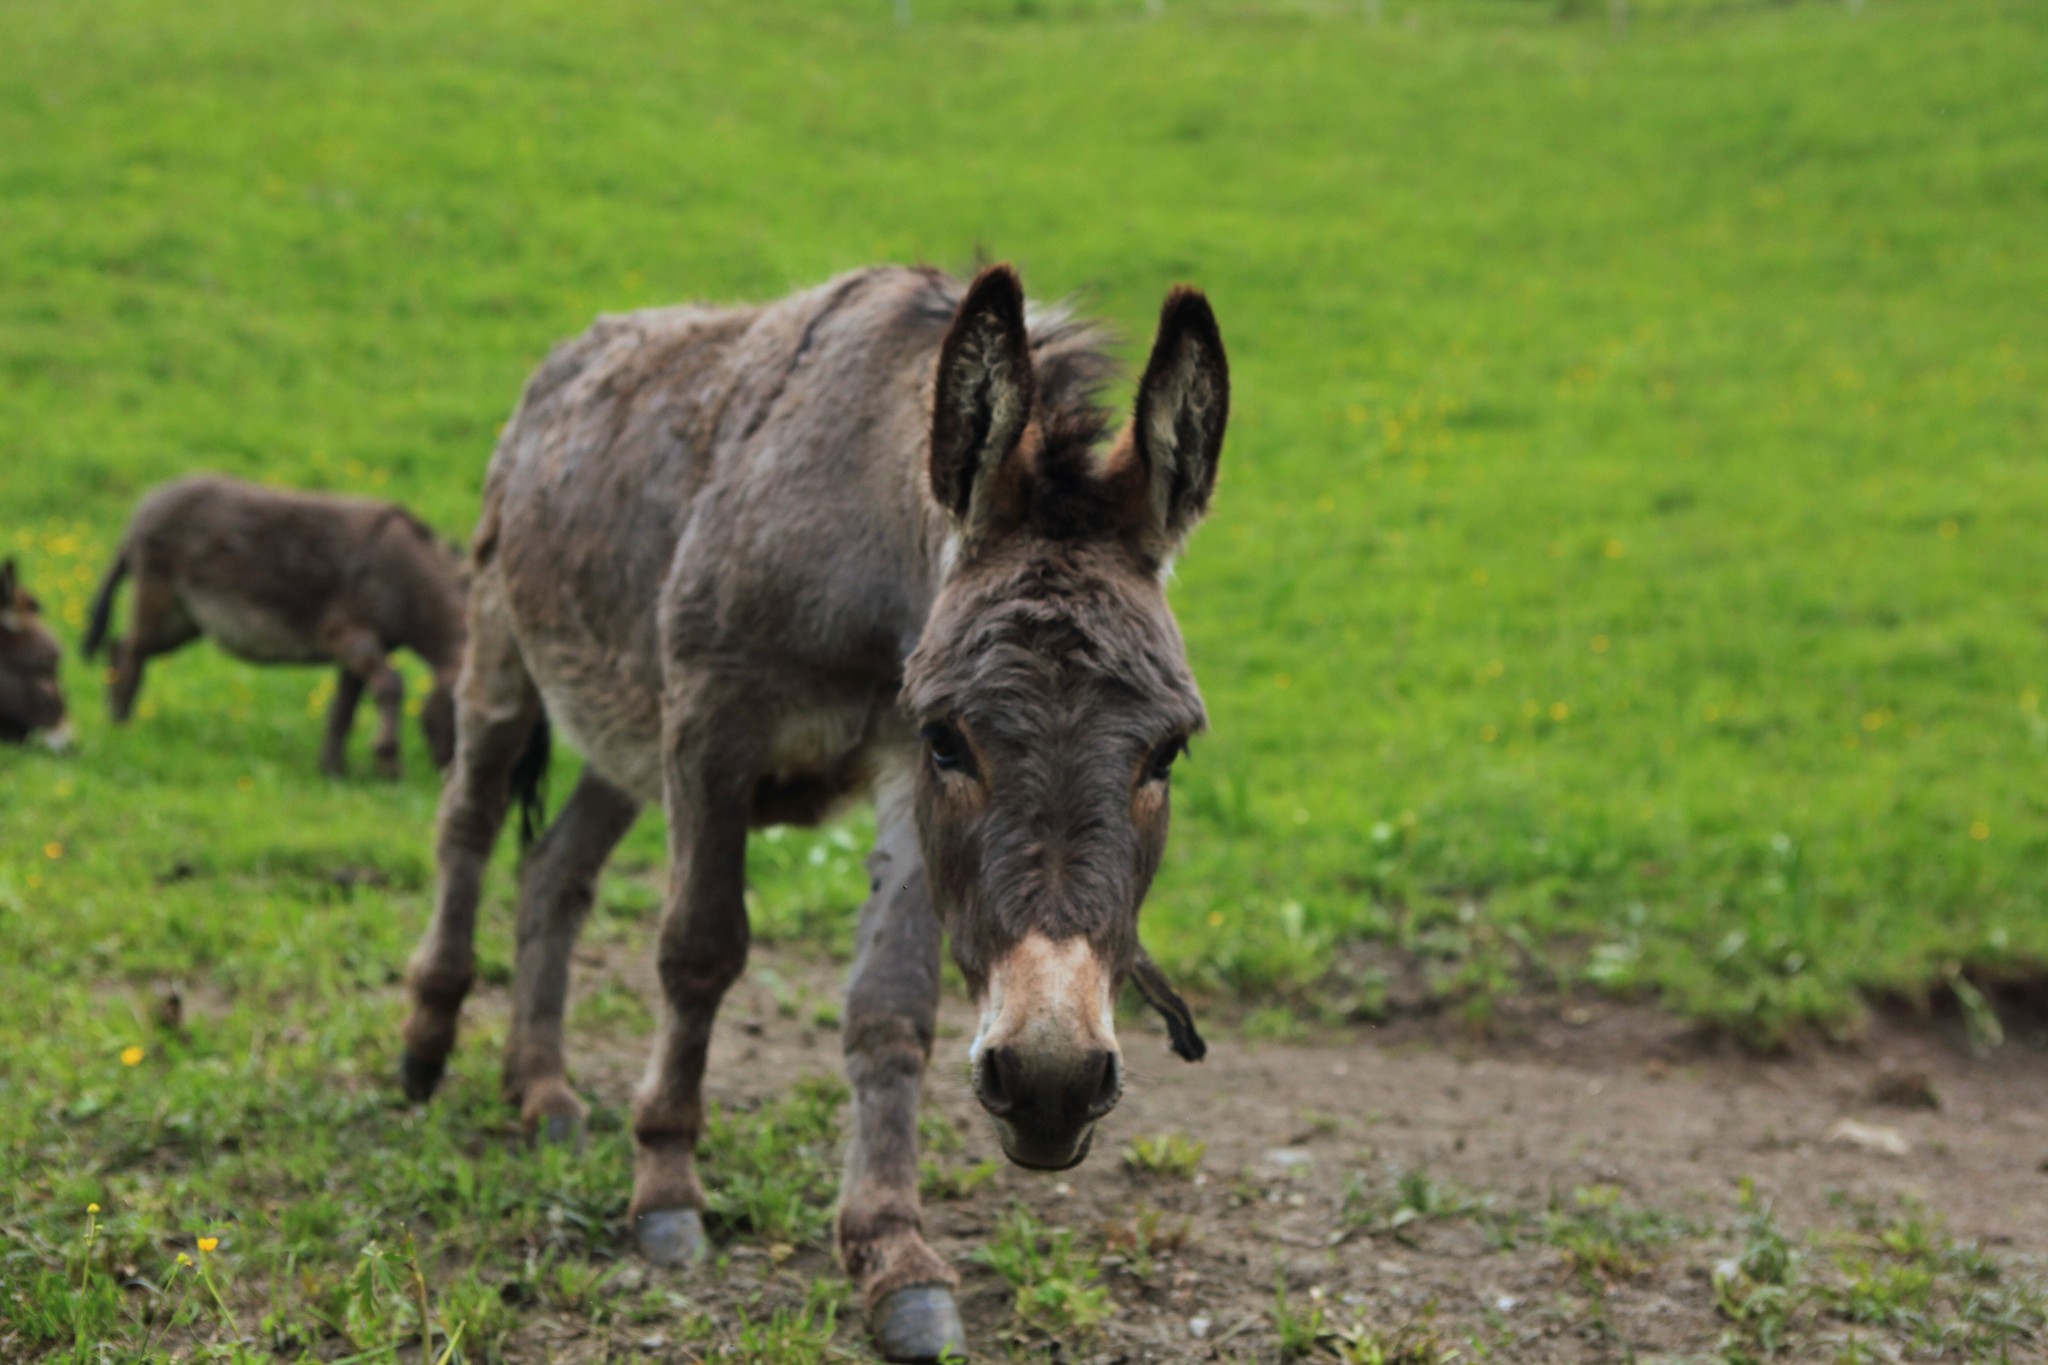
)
(530, 782)
(103, 604)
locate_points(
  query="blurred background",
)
(1628, 569)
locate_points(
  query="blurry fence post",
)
(1154, 8)
(1617, 13)
(903, 13)
(1375, 10)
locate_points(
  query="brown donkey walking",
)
(874, 539)
(276, 576)
(30, 697)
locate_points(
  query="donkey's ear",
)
(9, 577)
(983, 396)
(1183, 403)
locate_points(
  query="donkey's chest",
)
(817, 758)
(816, 741)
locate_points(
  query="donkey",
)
(30, 698)
(872, 539)
(275, 576)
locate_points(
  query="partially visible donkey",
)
(275, 576)
(30, 699)
(876, 539)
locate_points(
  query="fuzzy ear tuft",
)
(1183, 407)
(983, 397)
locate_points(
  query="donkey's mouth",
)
(1036, 1153)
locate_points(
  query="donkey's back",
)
(743, 484)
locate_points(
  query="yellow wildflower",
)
(1980, 830)
(53, 850)
(131, 1056)
(208, 1243)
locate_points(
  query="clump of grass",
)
(1604, 1239)
(1412, 1343)
(1055, 1285)
(1760, 1289)
(801, 1335)
(1416, 1197)
(945, 1180)
(1173, 1155)
(1899, 1276)
(1299, 1329)
(1135, 1242)
(774, 1172)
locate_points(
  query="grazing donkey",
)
(871, 539)
(275, 576)
(30, 699)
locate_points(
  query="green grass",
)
(1627, 568)
(1054, 1282)
(1628, 556)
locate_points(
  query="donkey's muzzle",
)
(1046, 1108)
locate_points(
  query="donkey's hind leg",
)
(891, 1008)
(157, 624)
(557, 885)
(496, 709)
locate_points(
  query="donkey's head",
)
(1053, 695)
(30, 699)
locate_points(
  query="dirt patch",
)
(1405, 1179)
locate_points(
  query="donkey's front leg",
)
(341, 718)
(703, 950)
(358, 650)
(891, 1007)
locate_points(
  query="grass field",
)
(1629, 567)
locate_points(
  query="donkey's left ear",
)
(1183, 404)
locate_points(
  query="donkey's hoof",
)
(560, 1130)
(420, 1075)
(671, 1237)
(921, 1323)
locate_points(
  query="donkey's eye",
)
(1161, 765)
(948, 749)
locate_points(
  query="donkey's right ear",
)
(983, 397)
(9, 578)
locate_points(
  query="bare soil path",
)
(1563, 1192)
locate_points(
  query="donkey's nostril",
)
(1109, 1084)
(995, 1080)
